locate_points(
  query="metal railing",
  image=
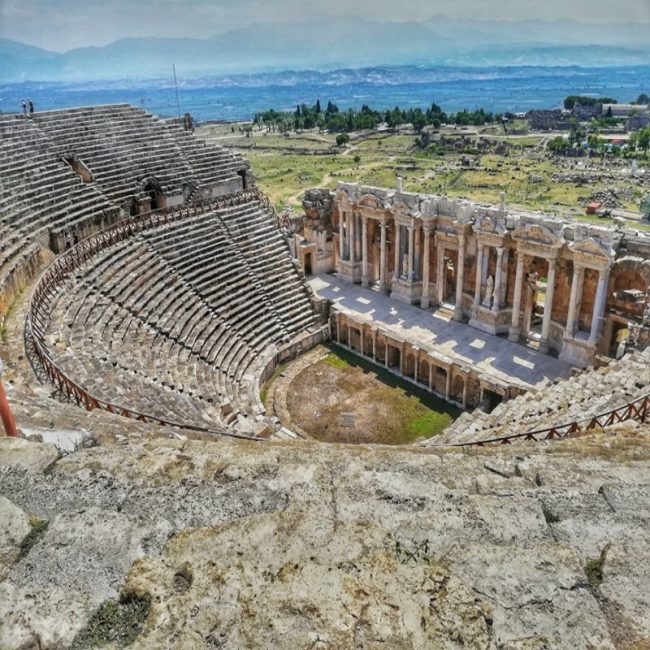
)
(64, 267)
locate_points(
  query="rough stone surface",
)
(17, 452)
(306, 545)
(14, 526)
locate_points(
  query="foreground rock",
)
(297, 545)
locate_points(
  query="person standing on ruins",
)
(6, 415)
(23, 104)
(31, 107)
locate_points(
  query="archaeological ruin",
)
(149, 293)
(173, 289)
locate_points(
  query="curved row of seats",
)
(39, 196)
(178, 321)
(581, 397)
(124, 147)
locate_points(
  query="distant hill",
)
(437, 40)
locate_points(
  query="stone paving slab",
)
(434, 331)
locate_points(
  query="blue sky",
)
(63, 24)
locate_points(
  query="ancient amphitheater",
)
(148, 290)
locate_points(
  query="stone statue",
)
(489, 291)
(405, 266)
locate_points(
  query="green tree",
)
(342, 138)
(643, 139)
(557, 144)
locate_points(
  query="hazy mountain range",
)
(437, 40)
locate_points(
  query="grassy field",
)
(285, 166)
(379, 407)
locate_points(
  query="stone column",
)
(364, 251)
(574, 300)
(548, 306)
(341, 237)
(415, 363)
(382, 258)
(479, 275)
(424, 302)
(386, 354)
(599, 305)
(504, 277)
(398, 261)
(351, 236)
(411, 232)
(440, 273)
(361, 337)
(460, 276)
(465, 382)
(357, 229)
(338, 328)
(448, 384)
(418, 255)
(374, 343)
(515, 329)
(496, 299)
(430, 375)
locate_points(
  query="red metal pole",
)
(6, 415)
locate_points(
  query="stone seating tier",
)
(178, 321)
(583, 396)
(124, 147)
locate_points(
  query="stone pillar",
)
(418, 255)
(357, 230)
(424, 302)
(448, 384)
(338, 328)
(599, 305)
(341, 237)
(374, 344)
(411, 232)
(465, 391)
(382, 258)
(386, 354)
(351, 236)
(460, 276)
(515, 329)
(504, 277)
(398, 261)
(361, 337)
(548, 306)
(415, 364)
(498, 280)
(364, 251)
(430, 375)
(440, 274)
(479, 275)
(574, 300)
